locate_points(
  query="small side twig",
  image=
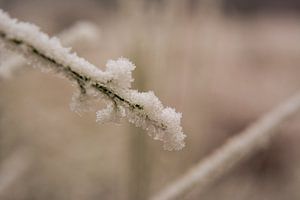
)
(228, 156)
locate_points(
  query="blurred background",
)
(222, 63)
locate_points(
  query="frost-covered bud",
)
(112, 113)
(106, 115)
(162, 123)
(120, 72)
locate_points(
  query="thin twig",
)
(235, 150)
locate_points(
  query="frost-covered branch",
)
(254, 138)
(81, 33)
(114, 85)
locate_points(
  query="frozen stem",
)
(81, 33)
(113, 85)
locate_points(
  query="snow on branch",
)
(81, 33)
(112, 85)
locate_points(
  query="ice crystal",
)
(120, 72)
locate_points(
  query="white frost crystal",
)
(112, 113)
(112, 85)
(120, 72)
(81, 33)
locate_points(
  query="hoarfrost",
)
(113, 85)
(112, 113)
(120, 72)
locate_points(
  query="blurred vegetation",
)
(219, 68)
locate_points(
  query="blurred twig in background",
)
(140, 154)
(12, 168)
(237, 149)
